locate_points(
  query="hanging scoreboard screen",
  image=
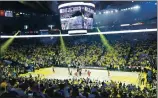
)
(76, 15)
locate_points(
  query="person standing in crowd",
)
(76, 74)
(139, 78)
(66, 91)
(69, 70)
(109, 74)
(142, 80)
(80, 72)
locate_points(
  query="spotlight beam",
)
(63, 48)
(41, 5)
(28, 4)
(105, 41)
(94, 33)
(5, 46)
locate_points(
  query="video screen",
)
(8, 13)
(76, 17)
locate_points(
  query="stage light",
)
(111, 11)
(116, 11)
(136, 7)
(139, 23)
(99, 12)
(122, 25)
(107, 12)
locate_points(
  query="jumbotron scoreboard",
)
(76, 16)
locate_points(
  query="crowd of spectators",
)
(34, 87)
(127, 57)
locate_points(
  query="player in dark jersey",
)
(108, 73)
(53, 68)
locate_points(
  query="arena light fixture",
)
(136, 7)
(75, 3)
(116, 11)
(77, 32)
(123, 25)
(139, 23)
(93, 33)
(107, 12)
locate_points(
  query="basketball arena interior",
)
(78, 49)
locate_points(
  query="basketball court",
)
(101, 75)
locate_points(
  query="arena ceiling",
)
(50, 7)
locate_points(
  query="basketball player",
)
(77, 69)
(80, 72)
(75, 73)
(89, 73)
(142, 80)
(69, 70)
(109, 74)
(53, 68)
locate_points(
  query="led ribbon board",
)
(94, 33)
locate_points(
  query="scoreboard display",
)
(76, 15)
